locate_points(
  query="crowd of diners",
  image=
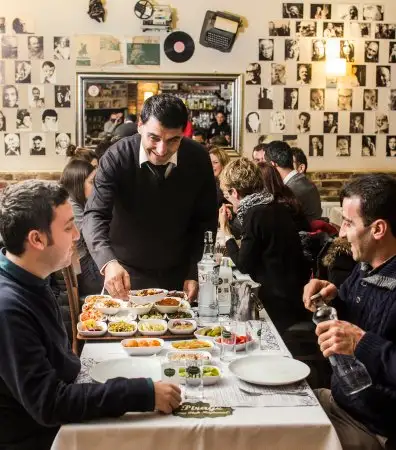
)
(132, 214)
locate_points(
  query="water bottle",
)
(350, 372)
(224, 286)
(208, 307)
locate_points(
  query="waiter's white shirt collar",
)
(290, 176)
(143, 159)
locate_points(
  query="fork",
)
(257, 394)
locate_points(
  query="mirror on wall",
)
(104, 97)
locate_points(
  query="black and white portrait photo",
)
(10, 96)
(36, 96)
(385, 31)
(304, 123)
(278, 74)
(343, 144)
(3, 122)
(318, 50)
(383, 76)
(290, 99)
(292, 10)
(2, 25)
(279, 28)
(357, 75)
(360, 30)
(61, 47)
(265, 98)
(369, 145)
(48, 72)
(330, 122)
(344, 100)
(23, 25)
(381, 123)
(373, 12)
(266, 50)
(62, 96)
(316, 145)
(370, 99)
(12, 144)
(371, 51)
(62, 142)
(392, 52)
(391, 146)
(9, 47)
(36, 47)
(49, 120)
(347, 11)
(317, 99)
(277, 122)
(356, 124)
(392, 100)
(333, 30)
(23, 72)
(37, 144)
(24, 120)
(253, 74)
(252, 122)
(347, 51)
(292, 50)
(320, 11)
(304, 74)
(306, 28)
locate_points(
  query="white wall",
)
(57, 18)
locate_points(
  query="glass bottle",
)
(350, 372)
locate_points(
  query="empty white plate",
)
(127, 368)
(269, 370)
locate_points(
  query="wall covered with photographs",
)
(343, 123)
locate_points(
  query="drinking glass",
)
(194, 389)
(228, 340)
(253, 336)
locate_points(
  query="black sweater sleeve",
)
(36, 384)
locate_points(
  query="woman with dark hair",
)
(85, 154)
(77, 178)
(284, 195)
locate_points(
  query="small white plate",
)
(124, 315)
(269, 370)
(207, 380)
(179, 357)
(139, 309)
(153, 322)
(143, 351)
(207, 348)
(95, 298)
(123, 333)
(100, 317)
(109, 310)
(127, 368)
(143, 299)
(92, 333)
(198, 334)
(149, 317)
(177, 331)
(168, 308)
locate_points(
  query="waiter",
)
(154, 196)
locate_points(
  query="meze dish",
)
(152, 327)
(109, 306)
(177, 326)
(122, 328)
(143, 296)
(189, 355)
(194, 344)
(142, 346)
(210, 333)
(91, 327)
(168, 305)
(211, 375)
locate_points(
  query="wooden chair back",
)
(74, 303)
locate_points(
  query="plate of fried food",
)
(91, 328)
(193, 344)
(144, 296)
(142, 346)
(122, 329)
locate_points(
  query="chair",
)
(74, 303)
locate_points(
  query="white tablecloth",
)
(275, 428)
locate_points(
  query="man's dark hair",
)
(280, 153)
(260, 148)
(300, 156)
(37, 138)
(131, 117)
(168, 109)
(73, 178)
(49, 113)
(49, 64)
(199, 133)
(26, 206)
(377, 193)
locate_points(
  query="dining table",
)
(276, 420)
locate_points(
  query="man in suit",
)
(280, 155)
(128, 128)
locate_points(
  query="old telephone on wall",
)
(219, 30)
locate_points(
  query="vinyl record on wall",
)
(179, 47)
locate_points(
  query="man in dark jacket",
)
(367, 303)
(128, 128)
(279, 154)
(37, 366)
(154, 197)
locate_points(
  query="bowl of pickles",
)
(210, 375)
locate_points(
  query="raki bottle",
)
(208, 307)
(351, 373)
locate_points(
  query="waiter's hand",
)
(117, 281)
(191, 289)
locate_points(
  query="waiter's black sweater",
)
(147, 224)
(38, 369)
